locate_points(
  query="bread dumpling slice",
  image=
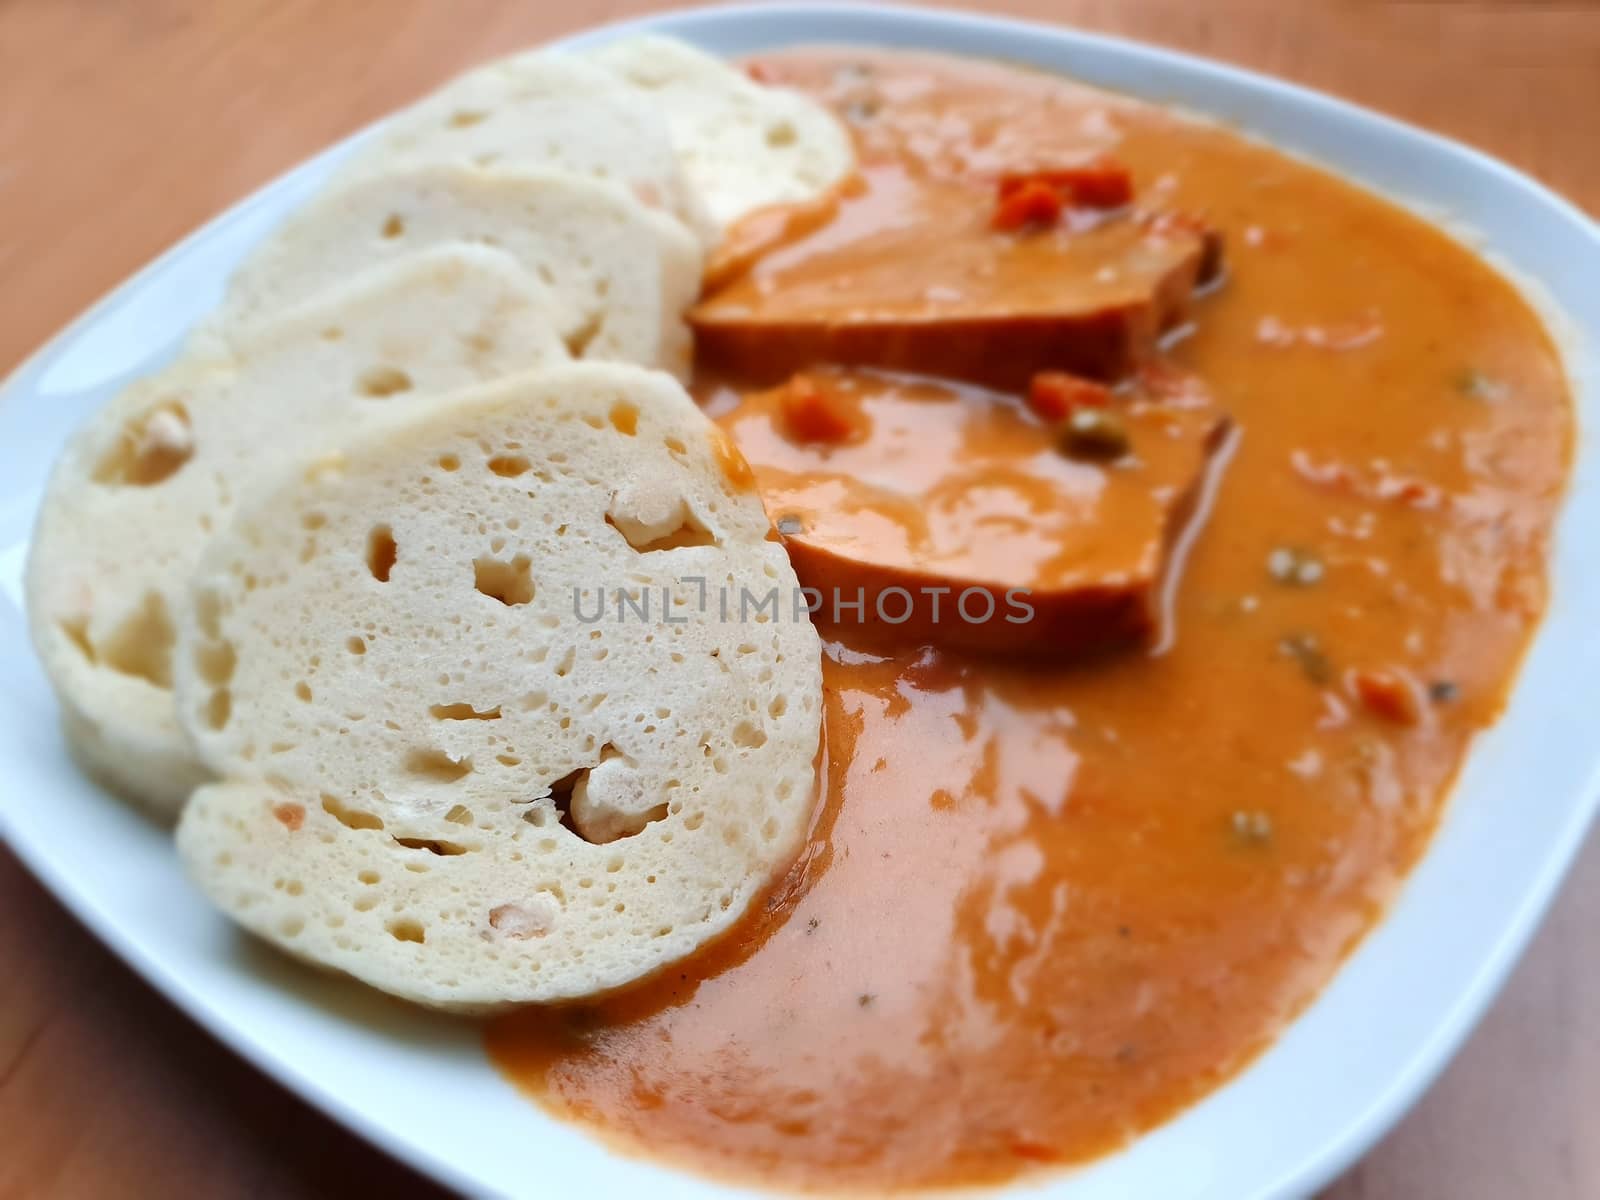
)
(620, 275)
(743, 145)
(153, 474)
(451, 765)
(542, 110)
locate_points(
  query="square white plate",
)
(420, 1086)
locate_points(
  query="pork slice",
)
(942, 293)
(954, 517)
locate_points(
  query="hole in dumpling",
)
(432, 846)
(466, 118)
(350, 818)
(463, 712)
(382, 381)
(579, 340)
(508, 582)
(150, 448)
(561, 796)
(141, 644)
(689, 531)
(394, 226)
(381, 552)
(437, 766)
(215, 661)
(782, 133)
(509, 466)
(76, 631)
(407, 929)
(625, 418)
(219, 708)
(592, 818)
(749, 736)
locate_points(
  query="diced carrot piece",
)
(1033, 203)
(1054, 395)
(1388, 694)
(1103, 183)
(760, 72)
(811, 414)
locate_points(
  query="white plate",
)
(421, 1087)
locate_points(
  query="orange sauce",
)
(1045, 908)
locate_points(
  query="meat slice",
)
(912, 275)
(1001, 531)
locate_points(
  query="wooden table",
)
(123, 126)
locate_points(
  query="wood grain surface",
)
(125, 125)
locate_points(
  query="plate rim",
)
(1429, 1058)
